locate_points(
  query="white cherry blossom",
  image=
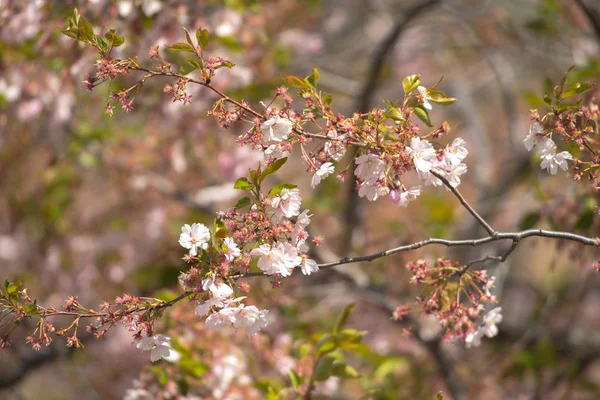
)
(535, 134)
(232, 249)
(453, 173)
(369, 190)
(280, 258)
(219, 290)
(423, 92)
(158, 346)
(194, 237)
(473, 339)
(323, 172)
(335, 148)
(370, 168)
(287, 203)
(250, 317)
(423, 154)
(455, 152)
(276, 129)
(553, 161)
(490, 321)
(308, 266)
(402, 198)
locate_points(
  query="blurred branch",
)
(592, 15)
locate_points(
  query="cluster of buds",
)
(454, 295)
(109, 69)
(177, 91)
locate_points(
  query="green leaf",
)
(226, 63)
(188, 37)
(563, 106)
(243, 202)
(193, 367)
(294, 378)
(76, 16)
(179, 46)
(31, 309)
(219, 229)
(271, 169)
(529, 220)
(327, 99)
(296, 82)
(323, 369)
(10, 288)
(195, 63)
(547, 100)
(326, 344)
(72, 32)
(254, 174)
(440, 97)
(342, 318)
(203, 37)
(272, 395)
(313, 78)
(276, 190)
(113, 39)
(85, 29)
(183, 386)
(243, 184)
(344, 370)
(422, 114)
(352, 335)
(410, 83)
(393, 113)
(439, 396)
(575, 88)
(101, 43)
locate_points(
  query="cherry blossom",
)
(456, 152)
(219, 290)
(335, 148)
(287, 203)
(402, 198)
(535, 134)
(369, 190)
(308, 266)
(232, 250)
(553, 161)
(276, 129)
(473, 339)
(324, 171)
(251, 317)
(423, 154)
(158, 346)
(453, 173)
(423, 92)
(370, 168)
(194, 237)
(490, 321)
(488, 328)
(280, 258)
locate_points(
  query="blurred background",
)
(91, 206)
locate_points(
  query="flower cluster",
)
(224, 310)
(442, 294)
(551, 160)
(177, 91)
(158, 346)
(487, 328)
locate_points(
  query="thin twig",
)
(465, 204)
